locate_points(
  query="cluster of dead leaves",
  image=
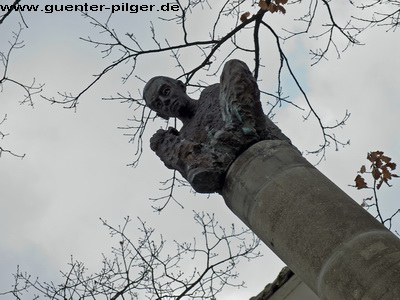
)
(267, 5)
(273, 6)
(381, 170)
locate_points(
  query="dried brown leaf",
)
(391, 165)
(264, 5)
(376, 173)
(360, 182)
(244, 16)
(281, 9)
(386, 159)
(363, 169)
(386, 173)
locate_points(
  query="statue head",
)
(167, 97)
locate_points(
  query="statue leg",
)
(200, 165)
(240, 100)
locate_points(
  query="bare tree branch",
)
(5, 58)
(224, 39)
(383, 13)
(142, 270)
(2, 136)
(327, 137)
(381, 170)
(10, 10)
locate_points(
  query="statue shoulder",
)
(214, 88)
(210, 94)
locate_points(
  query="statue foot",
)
(227, 138)
(250, 136)
(249, 131)
(206, 180)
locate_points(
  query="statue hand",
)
(172, 130)
(160, 136)
(157, 139)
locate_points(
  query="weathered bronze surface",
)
(225, 121)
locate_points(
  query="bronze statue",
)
(225, 121)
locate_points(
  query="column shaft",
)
(337, 248)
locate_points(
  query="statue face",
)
(167, 97)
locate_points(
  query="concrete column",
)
(337, 248)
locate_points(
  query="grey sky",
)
(75, 166)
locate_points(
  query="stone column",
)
(337, 248)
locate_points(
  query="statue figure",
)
(225, 121)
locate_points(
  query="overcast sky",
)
(75, 169)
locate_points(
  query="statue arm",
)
(203, 168)
(175, 151)
(165, 144)
(161, 137)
